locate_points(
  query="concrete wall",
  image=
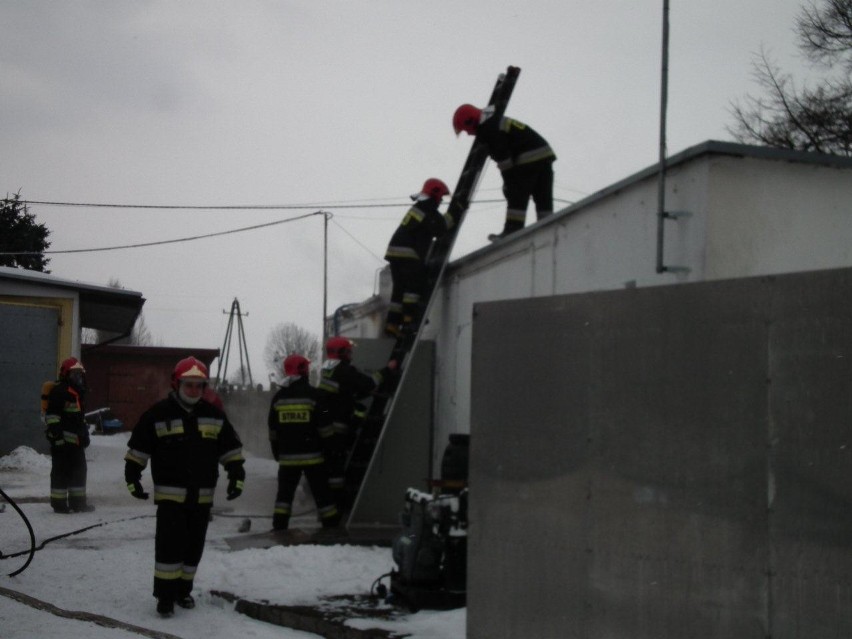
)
(664, 462)
(248, 411)
(751, 211)
(405, 447)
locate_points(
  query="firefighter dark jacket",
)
(342, 385)
(65, 418)
(413, 236)
(296, 419)
(185, 448)
(512, 144)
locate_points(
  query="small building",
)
(366, 318)
(658, 406)
(128, 379)
(41, 320)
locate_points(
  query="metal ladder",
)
(382, 405)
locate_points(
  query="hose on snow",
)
(32, 549)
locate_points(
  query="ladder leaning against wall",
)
(382, 405)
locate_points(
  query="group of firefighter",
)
(187, 435)
(525, 161)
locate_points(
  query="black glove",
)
(135, 488)
(235, 488)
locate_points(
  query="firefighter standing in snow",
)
(341, 386)
(296, 421)
(185, 438)
(407, 251)
(68, 435)
(524, 158)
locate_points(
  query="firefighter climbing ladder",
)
(406, 344)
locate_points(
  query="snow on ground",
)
(108, 568)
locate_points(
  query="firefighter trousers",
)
(67, 477)
(409, 282)
(522, 183)
(178, 546)
(288, 481)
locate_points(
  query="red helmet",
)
(466, 118)
(189, 368)
(434, 188)
(68, 365)
(339, 348)
(297, 365)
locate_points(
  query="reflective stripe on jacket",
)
(185, 449)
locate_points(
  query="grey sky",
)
(289, 102)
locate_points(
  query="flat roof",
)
(101, 307)
(709, 147)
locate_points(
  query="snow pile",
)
(26, 459)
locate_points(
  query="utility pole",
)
(242, 348)
(661, 179)
(326, 217)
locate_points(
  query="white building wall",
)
(748, 212)
(777, 217)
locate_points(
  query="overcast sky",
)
(324, 104)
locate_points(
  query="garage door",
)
(28, 352)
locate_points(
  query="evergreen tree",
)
(22, 241)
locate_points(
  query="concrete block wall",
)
(664, 462)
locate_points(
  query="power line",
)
(161, 242)
(355, 239)
(230, 207)
(226, 207)
(217, 234)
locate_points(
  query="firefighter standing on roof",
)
(341, 386)
(524, 158)
(185, 438)
(296, 420)
(407, 253)
(68, 434)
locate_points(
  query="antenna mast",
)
(242, 348)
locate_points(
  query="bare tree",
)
(286, 339)
(825, 33)
(806, 119)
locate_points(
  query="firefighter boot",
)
(83, 508)
(165, 607)
(186, 602)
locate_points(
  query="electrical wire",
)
(355, 239)
(224, 207)
(175, 241)
(217, 234)
(227, 207)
